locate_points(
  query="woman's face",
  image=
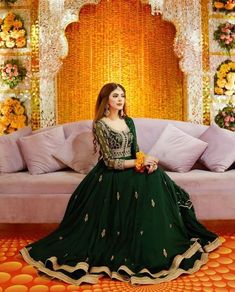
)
(116, 99)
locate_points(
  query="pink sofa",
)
(26, 198)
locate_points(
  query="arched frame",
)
(56, 15)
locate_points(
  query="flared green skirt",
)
(135, 227)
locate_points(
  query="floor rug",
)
(17, 276)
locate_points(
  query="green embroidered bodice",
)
(116, 145)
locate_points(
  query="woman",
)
(127, 219)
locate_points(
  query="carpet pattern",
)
(17, 276)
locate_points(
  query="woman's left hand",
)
(152, 167)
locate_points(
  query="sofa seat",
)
(212, 194)
(43, 198)
(58, 182)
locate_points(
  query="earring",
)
(107, 112)
(122, 113)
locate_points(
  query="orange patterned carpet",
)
(17, 276)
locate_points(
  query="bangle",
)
(139, 163)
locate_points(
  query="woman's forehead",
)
(117, 90)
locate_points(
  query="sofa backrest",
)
(148, 130)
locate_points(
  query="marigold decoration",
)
(139, 164)
(225, 35)
(226, 117)
(8, 1)
(12, 115)
(12, 72)
(226, 6)
(224, 79)
(12, 32)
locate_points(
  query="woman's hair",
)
(103, 97)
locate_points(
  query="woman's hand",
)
(151, 163)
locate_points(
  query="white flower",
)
(10, 44)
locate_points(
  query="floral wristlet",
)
(139, 164)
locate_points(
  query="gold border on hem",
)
(172, 273)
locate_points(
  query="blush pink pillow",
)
(38, 150)
(220, 153)
(176, 150)
(11, 159)
(78, 152)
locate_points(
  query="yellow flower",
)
(5, 109)
(19, 110)
(21, 33)
(13, 116)
(224, 68)
(221, 75)
(5, 121)
(6, 27)
(219, 91)
(221, 82)
(4, 35)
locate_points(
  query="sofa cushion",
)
(149, 130)
(38, 150)
(220, 153)
(177, 150)
(11, 158)
(78, 152)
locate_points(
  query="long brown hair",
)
(103, 97)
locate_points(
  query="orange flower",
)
(229, 6)
(218, 5)
(11, 130)
(10, 16)
(20, 42)
(17, 24)
(1, 21)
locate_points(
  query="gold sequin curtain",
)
(120, 41)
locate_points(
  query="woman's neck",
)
(113, 115)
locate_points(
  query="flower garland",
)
(12, 72)
(226, 6)
(225, 35)
(12, 115)
(224, 79)
(12, 32)
(8, 1)
(226, 117)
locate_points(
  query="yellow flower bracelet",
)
(139, 163)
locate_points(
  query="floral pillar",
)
(15, 65)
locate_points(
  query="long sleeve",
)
(131, 125)
(101, 135)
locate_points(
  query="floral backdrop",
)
(18, 65)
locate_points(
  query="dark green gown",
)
(135, 227)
